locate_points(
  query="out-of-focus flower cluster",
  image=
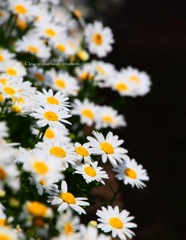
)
(55, 130)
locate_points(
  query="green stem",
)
(115, 193)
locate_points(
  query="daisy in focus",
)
(91, 172)
(13, 68)
(65, 199)
(98, 39)
(83, 151)
(119, 223)
(107, 147)
(131, 173)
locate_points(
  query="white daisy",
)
(34, 46)
(51, 115)
(85, 72)
(83, 151)
(62, 81)
(86, 110)
(91, 172)
(65, 199)
(38, 74)
(91, 233)
(131, 173)
(38, 209)
(108, 117)
(112, 220)
(107, 147)
(98, 39)
(13, 68)
(4, 16)
(52, 133)
(5, 55)
(8, 233)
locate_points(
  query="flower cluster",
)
(56, 134)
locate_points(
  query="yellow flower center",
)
(90, 171)
(88, 113)
(98, 39)
(107, 147)
(135, 79)
(37, 209)
(21, 24)
(49, 133)
(101, 70)
(39, 76)
(11, 72)
(58, 152)
(20, 100)
(1, 58)
(33, 49)
(40, 167)
(61, 47)
(68, 198)
(2, 222)
(107, 119)
(4, 237)
(83, 55)
(3, 81)
(2, 173)
(121, 87)
(42, 182)
(116, 223)
(51, 116)
(50, 32)
(15, 108)
(1, 98)
(77, 13)
(81, 151)
(130, 173)
(9, 90)
(68, 228)
(52, 100)
(20, 9)
(60, 83)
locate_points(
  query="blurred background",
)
(151, 36)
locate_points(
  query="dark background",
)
(151, 36)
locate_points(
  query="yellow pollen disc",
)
(61, 47)
(4, 237)
(42, 182)
(77, 13)
(39, 222)
(98, 39)
(11, 72)
(135, 79)
(88, 113)
(58, 152)
(121, 87)
(107, 119)
(101, 70)
(130, 173)
(21, 24)
(51, 116)
(40, 167)
(2, 222)
(16, 109)
(37, 209)
(20, 100)
(49, 133)
(60, 83)
(116, 223)
(9, 90)
(107, 147)
(20, 9)
(2, 174)
(1, 98)
(50, 32)
(3, 81)
(33, 49)
(83, 55)
(1, 58)
(68, 198)
(68, 228)
(39, 77)
(84, 75)
(82, 151)
(90, 171)
(52, 100)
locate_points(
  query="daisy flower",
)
(5, 55)
(4, 16)
(98, 39)
(58, 149)
(52, 133)
(108, 117)
(83, 151)
(62, 81)
(85, 72)
(91, 172)
(119, 223)
(140, 80)
(51, 115)
(86, 110)
(13, 68)
(38, 209)
(91, 233)
(131, 173)
(34, 46)
(48, 97)
(107, 147)
(39, 75)
(65, 199)
(8, 233)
